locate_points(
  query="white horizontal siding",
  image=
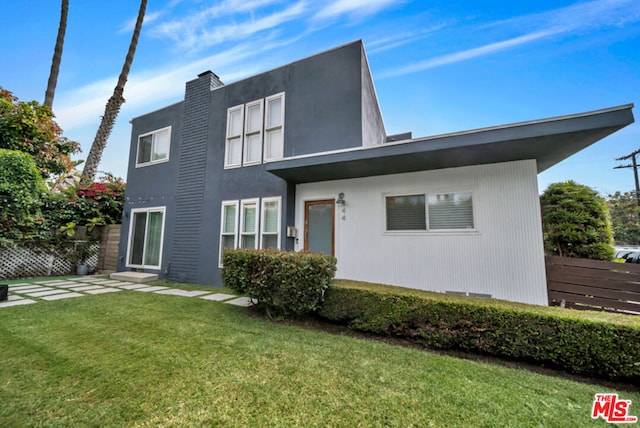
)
(503, 257)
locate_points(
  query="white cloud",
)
(466, 54)
(353, 7)
(205, 28)
(130, 25)
(595, 14)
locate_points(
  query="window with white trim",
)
(274, 128)
(255, 132)
(233, 149)
(240, 219)
(146, 232)
(430, 212)
(270, 224)
(153, 147)
(249, 223)
(451, 211)
(228, 226)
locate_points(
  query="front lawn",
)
(139, 359)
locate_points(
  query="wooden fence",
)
(593, 285)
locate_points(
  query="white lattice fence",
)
(22, 262)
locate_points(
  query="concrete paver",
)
(27, 293)
(185, 293)
(62, 296)
(150, 289)
(104, 290)
(46, 293)
(218, 297)
(240, 301)
(9, 303)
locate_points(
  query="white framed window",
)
(406, 212)
(430, 212)
(248, 223)
(274, 127)
(270, 223)
(253, 133)
(450, 211)
(228, 227)
(146, 235)
(233, 147)
(153, 147)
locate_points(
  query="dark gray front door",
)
(319, 226)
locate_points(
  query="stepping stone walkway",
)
(27, 293)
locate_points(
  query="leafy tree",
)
(21, 187)
(575, 222)
(113, 105)
(29, 127)
(625, 218)
(57, 56)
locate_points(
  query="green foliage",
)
(575, 222)
(284, 282)
(20, 189)
(625, 218)
(547, 336)
(29, 127)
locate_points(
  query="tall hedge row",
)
(567, 341)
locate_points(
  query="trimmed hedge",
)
(575, 341)
(284, 282)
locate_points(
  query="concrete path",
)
(33, 292)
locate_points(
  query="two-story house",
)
(297, 158)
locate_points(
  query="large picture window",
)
(430, 212)
(154, 147)
(145, 237)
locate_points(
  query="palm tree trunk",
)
(57, 56)
(113, 105)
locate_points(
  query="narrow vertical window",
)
(274, 127)
(154, 147)
(145, 237)
(228, 226)
(233, 149)
(248, 224)
(270, 228)
(253, 133)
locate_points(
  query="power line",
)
(634, 165)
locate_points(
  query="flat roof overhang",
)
(548, 141)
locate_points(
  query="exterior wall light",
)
(340, 200)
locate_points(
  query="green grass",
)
(139, 359)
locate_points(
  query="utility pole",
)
(634, 165)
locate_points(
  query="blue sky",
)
(438, 66)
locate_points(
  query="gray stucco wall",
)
(152, 185)
(323, 112)
(373, 132)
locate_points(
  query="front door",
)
(319, 226)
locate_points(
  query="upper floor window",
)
(274, 128)
(233, 156)
(255, 132)
(430, 212)
(153, 147)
